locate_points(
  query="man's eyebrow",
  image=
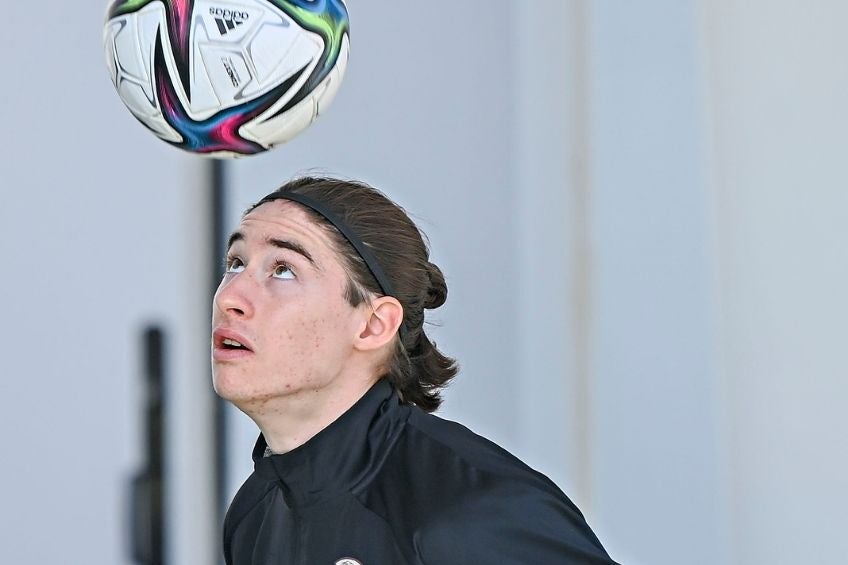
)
(237, 236)
(291, 245)
(276, 242)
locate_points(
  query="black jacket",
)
(387, 484)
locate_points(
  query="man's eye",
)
(283, 271)
(234, 265)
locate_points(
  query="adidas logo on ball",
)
(227, 20)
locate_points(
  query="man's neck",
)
(287, 422)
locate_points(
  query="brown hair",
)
(417, 369)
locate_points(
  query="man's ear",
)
(384, 317)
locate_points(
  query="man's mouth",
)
(228, 345)
(231, 344)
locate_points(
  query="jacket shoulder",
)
(464, 499)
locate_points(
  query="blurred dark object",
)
(147, 523)
(218, 237)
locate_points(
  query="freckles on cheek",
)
(296, 342)
(308, 333)
(316, 335)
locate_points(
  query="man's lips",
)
(229, 344)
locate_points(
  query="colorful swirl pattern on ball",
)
(330, 20)
(179, 22)
(219, 133)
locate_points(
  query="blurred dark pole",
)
(147, 523)
(218, 237)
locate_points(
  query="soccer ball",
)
(228, 78)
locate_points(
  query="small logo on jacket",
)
(348, 561)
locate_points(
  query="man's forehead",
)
(281, 218)
(283, 224)
(278, 210)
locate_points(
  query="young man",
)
(318, 337)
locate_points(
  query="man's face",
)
(282, 299)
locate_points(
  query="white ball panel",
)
(129, 42)
(327, 92)
(278, 52)
(268, 47)
(162, 128)
(282, 128)
(133, 37)
(109, 49)
(228, 74)
(135, 98)
(204, 100)
(334, 80)
(127, 50)
(149, 21)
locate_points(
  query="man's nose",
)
(233, 295)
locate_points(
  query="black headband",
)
(361, 248)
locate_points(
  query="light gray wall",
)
(654, 442)
(777, 91)
(88, 219)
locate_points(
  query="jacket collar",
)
(340, 457)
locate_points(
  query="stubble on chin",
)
(252, 395)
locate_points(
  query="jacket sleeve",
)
(514, 524)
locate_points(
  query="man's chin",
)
(242, 397)
(231, 390)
